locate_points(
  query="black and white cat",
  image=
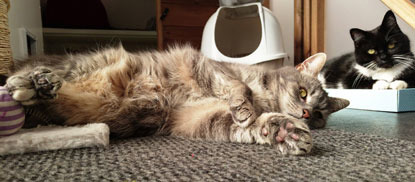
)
(382, 60)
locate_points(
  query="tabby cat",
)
(382, 60)
(178, 92)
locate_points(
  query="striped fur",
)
(176, 92)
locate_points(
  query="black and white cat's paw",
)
(40, 83)
(289, 135)
(243, 113)
(380, 85)
(398, 84)
(395, 85)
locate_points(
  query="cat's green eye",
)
(303, 93)
(371, 51)
(391, 45)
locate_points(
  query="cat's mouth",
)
(297, 116)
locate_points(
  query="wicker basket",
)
(6, 61)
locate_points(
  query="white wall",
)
(342, 15)
(284, 11)
(24, 14)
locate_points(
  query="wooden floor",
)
(393, 125)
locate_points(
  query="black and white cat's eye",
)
(371, 51)
(303, 93)
(391, 45)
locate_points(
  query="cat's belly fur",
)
(140, 98)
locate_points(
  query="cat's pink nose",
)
(306, 114)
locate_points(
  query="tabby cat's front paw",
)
(289, 135)
(243, 113)
(38, 84)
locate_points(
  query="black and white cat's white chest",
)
(384, 78)
(389, 74)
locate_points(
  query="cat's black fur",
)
(341, 72)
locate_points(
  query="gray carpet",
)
(337, 156)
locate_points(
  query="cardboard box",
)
(377, 100)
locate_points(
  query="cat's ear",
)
(313, 64)
(389, 21)
(357, 34)
(336, 104)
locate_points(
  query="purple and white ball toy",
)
(12, 115)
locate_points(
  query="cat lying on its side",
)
(382, 60)
(178, 92)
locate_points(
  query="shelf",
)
(97, 33)
(61, 40)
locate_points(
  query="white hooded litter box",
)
(247, 34)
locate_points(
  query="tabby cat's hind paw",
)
(22, 89)
(41, 83)
(289, 135)
(46, 83)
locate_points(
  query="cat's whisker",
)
(372, 66)
(406, 63)
(369, 63)
(405, 58)
(409, 54)
(360, 76)
(357, 80)
(409, 65)
(360, 79)
(402, 62)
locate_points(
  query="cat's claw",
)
(288, 135)
(41, 83)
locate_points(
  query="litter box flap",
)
(246, 34)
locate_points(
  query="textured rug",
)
(337, 156)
